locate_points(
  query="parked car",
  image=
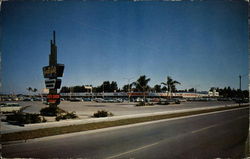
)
(98, 100)
(118, 100)
(182, 99)
(139, 99)
(155, 100)
(9, 105)
(37, 99)
(2, 104)
(87, 99)
(12, 104)
(76, 100)
(245, 100)
(176, 101)
(27, 99)
(224, 99)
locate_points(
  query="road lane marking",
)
(131, 151)
(215, 125)
(205, 128)
(150, 145)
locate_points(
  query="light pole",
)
(144, 95)
(129, 95)
(71, 90)
(170, 91)
(240, 81)
(103, 90)
(241, 95)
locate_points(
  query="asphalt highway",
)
(201, 136)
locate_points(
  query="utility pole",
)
(129, 89)
(240, 81)
(240, 96)
(103, 90)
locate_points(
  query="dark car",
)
(76, 99)
(87, 99)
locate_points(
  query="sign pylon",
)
(52, 72)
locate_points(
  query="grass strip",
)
(31, 134)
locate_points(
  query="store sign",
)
(54, 101)
(53, 71)
(53, 98)
(53, 83)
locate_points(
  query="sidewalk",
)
(61, 123)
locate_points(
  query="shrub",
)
(64, 116)
(51, 111)
(102, 113)
(44, 120)
(23, 118)
(150, 104)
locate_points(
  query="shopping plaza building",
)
(203, 94)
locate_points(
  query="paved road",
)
(202, 136)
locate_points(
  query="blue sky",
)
(200, 44)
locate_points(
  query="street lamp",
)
(241, 95)
(129, 89)
(143, 88)
(103, 90)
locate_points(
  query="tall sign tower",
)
(51, 74)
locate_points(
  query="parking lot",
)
(86, 109)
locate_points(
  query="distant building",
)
(147, 94)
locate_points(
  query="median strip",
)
(31, 134)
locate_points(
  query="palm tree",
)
(30, 90)
(170, 84)
(157, 88)
(142, 85)
(35, 90)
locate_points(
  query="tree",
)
(142, 85)
(29, 89)
(113, 86)
(65, 89)
(127, 88)
(78, 89)
(227, 92)
(164, 89)
(107, 87)
(170, 84)
(34, 90)
(157, 88)
(192, 90)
